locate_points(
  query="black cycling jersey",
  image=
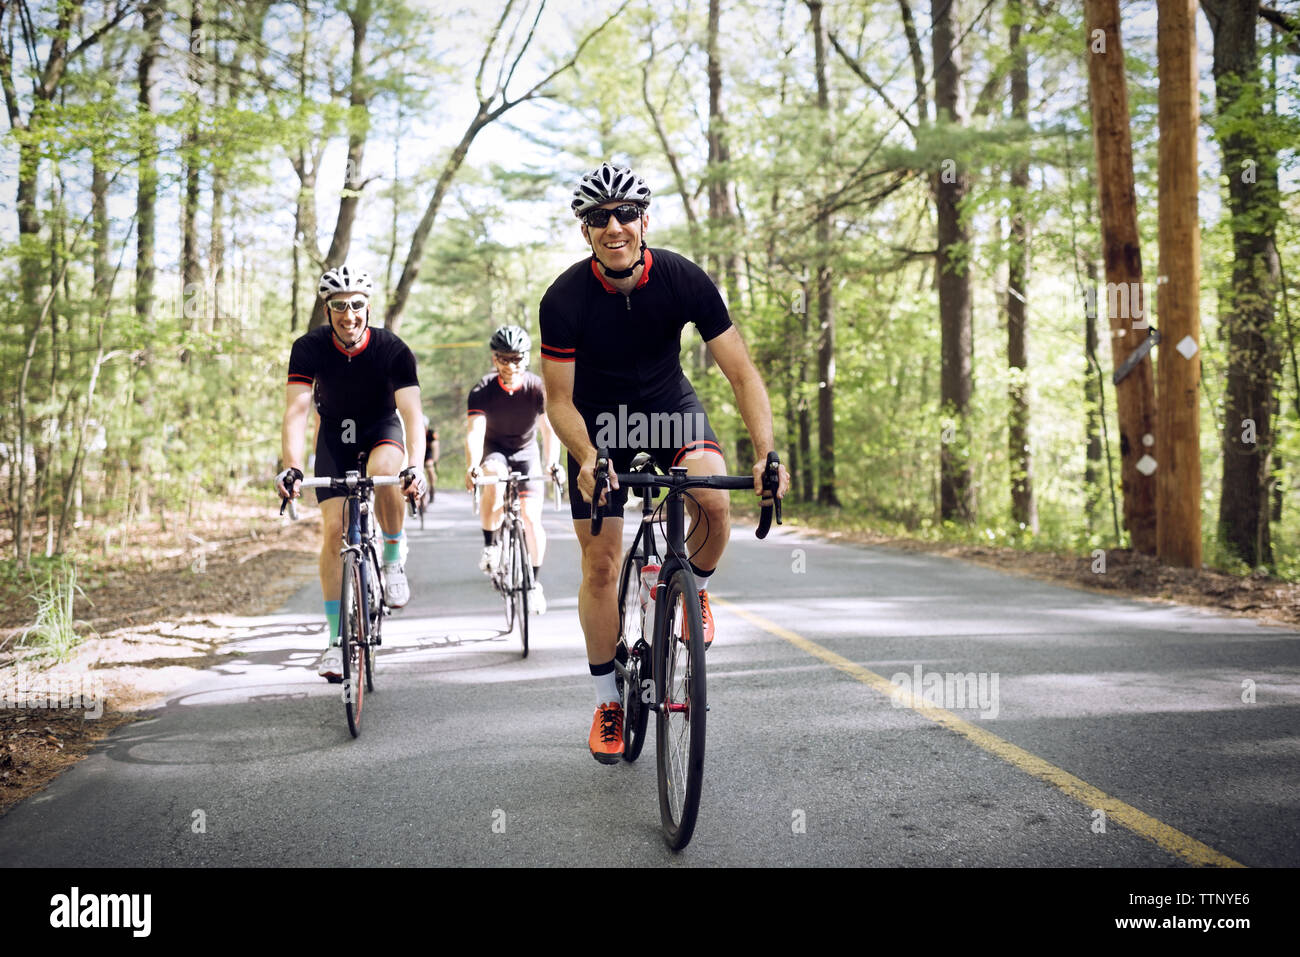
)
(359, 386)
(627, 348)
(511, 416)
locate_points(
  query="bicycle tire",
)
(505, 575)
(352, 641)
(375, 631)
(521, 583)
(683, 707)
(631, 623)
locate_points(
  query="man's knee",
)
(600, 566)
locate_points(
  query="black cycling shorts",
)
(527, 461)
(667, 436)
(342, 447)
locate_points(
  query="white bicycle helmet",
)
(609, 184)
(345, 279)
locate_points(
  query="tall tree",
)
(1122, 254)
(826, 493)
(951, 184)
(721, 215)
(1024, 510)
(493, 102)
(1243, 129)
(191, 268)
(359, 95)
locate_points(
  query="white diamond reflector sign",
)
(1146, 465)
(1187, 347)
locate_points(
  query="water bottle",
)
(649, 579)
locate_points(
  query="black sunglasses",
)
(627, 213)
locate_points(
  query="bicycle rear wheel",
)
(631, 621)
(352, 641)
(521, 581)
(680, 684)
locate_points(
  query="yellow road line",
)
(1144, 825)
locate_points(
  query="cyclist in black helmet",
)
(506, 410)
(611, 333)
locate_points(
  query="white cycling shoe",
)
(491, 557)
(396, 590)
(330, 666)
(536, 599)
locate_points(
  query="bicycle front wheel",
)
(680, 686)
(521, 581)
(376, 609)
(352, 641)
(631, 619)
(505, 574)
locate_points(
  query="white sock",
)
(606, 688)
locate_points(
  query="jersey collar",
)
(365, 341)
(509, 391)
(645, 273)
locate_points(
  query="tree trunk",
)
(192, 287)
(1024, 510)
(721, 217)
(1178, 445)
(358, 124)
(1135, 394)
(1248, 315)
(1092, 386)
(103, 278)
(826, 493)
(146, 228)
(956, 494)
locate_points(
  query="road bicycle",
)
(673, 651)
(513, 575)
(362, 607)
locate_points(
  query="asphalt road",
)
(1121, 733)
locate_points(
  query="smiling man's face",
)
(617, 245)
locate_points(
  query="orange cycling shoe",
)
(706, 616)
(606, 738)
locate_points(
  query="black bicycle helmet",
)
(511, 339)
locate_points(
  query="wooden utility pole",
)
(1178, 446)
(1135, 392)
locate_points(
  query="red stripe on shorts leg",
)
(706, 444)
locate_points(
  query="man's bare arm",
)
(293, 431)
(408, 404)
(733, 359)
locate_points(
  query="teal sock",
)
(332, 620)
(393, 549)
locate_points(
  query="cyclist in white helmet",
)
(611, 332)
(359, 379)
